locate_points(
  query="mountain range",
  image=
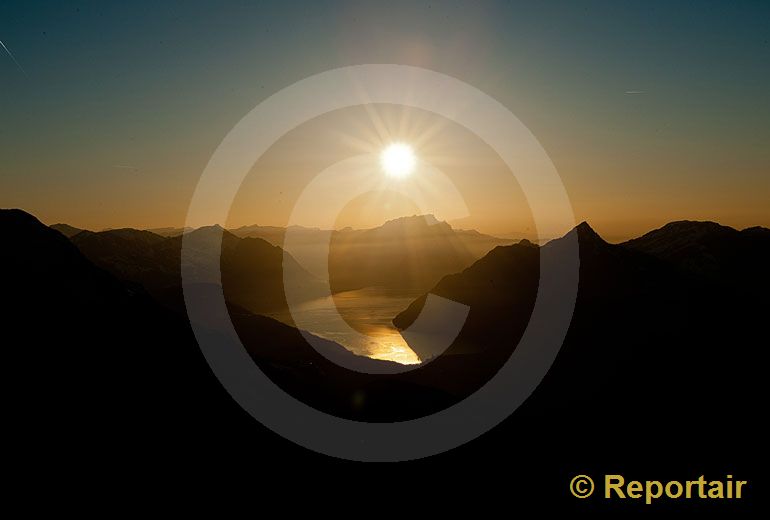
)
(108, 340)
(251, 269)
(669, 277)
(662, 362)
(408, 254)
(647, 306)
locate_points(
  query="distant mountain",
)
(308, 245)
(254, 273)
(66, 230)
(132, 255)
(429, 247)
(70, 231)
(708, 249)
(479, 244)
(274, 234)
(170, 231)
(408, 253)
(251, 269)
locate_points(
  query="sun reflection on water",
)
(389, 345)
(369, 311)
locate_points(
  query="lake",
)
(368, 311)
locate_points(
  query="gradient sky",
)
(118, 108)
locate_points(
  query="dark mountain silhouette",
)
(169, 231)
(645, 335)
(308, 247)
(660, 371)
(409, 253)
(106, 352)
(66, 230)
(275, 234)
(502, 283)
(129, 254)
(708, 249)
(89, 351)
(253, 274)
(251, 269)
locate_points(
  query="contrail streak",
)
(13, 58)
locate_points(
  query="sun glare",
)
(398, 160)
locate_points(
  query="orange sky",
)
(621, 197)
(649, 114)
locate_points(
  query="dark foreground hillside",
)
(660, 375)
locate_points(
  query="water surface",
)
(369, 311)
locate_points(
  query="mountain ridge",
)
(647, 348)
(118, 361)
(250, 269)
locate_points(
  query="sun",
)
(398, 160)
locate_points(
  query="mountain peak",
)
(216, 227)
(18, 224)
(680, 234)
(430, 219)
(427, 219)
(586, 234)
(37, 243)
(17, 215)
(208, 236)
(695, 227)
(584, 227)
(687, 231)
(756, 231)
(209, 231)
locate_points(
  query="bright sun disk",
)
(398, 160)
